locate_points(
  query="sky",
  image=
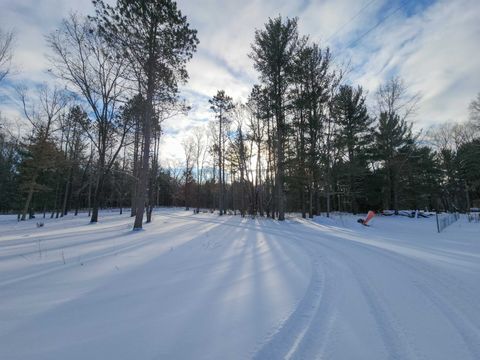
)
(433, 45)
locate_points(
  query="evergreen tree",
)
(9, 162)
(419, 179)
(354, 137)
(468, 162)
(313, 77)
(222, 105)
(392, 135)
(273, 52)
(39, 159)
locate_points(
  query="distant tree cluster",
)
(304, 141)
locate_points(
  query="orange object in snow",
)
(369, 217)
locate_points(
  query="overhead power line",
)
(364, 7)
(357, 40)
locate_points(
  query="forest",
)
(306, 140)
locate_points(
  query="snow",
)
(209, 287)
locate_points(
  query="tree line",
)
(305, 140)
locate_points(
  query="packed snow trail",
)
(209, 287)
(416, 309)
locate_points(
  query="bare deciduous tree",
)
(200, 145)
(6, 53)
(393, 97)
(475, 112)
(188, 145)
(82, 58)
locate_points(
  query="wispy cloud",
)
(433, 45)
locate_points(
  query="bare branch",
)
(6, 54)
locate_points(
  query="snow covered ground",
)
(209, 287)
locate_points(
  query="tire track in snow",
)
(312, 317)
(315, 304)
(445, 278)
(471, 335)
(315, 338)
(397, 344)
(309, 344)
(396, 340)
(314, 326)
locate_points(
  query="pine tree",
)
(353, 137)
(157, 41)
(9, 161)
(273, 52)
(420, 179)
(313, 79)
(222, 105)
(468, 161)
(40, 157)
(392, 135)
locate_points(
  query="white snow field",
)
(209, 287)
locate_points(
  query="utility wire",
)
(357, 40)
(364, 7)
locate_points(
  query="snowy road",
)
(209, 287)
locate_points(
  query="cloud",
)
(433, 51)
(209, 74)
(432, 45)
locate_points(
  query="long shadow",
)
(84, 227)
(129, 245)
(74, 243)
(119, 288)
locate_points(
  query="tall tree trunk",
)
(280, 172)
(328, 202)
(302, 199)
(467, 196)
(55, 205)
(185, 192)
(143, 178)
(133, 210)
(89, 198)
(220, 167)
(65, 195)
(97, 193)
(392, 186)
(353, 198)
(29, 199)
(224, 187)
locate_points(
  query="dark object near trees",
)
(361, 221)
